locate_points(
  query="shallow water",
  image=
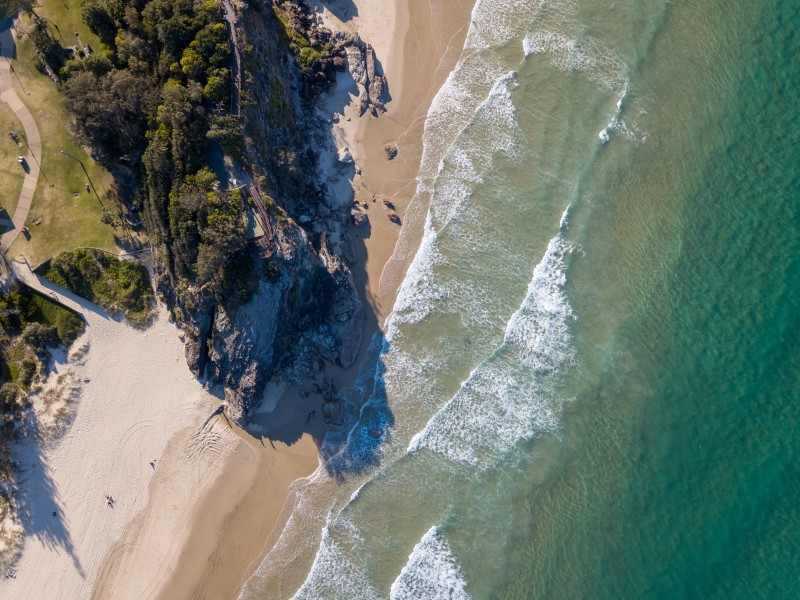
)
(588, 385)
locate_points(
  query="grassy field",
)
(69, 214)
(11, 173)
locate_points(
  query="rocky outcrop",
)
(318, 58)
(306, 310)
(335, 53)
(246, 346)
(344, 317)
(373, 91)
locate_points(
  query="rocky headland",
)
(304, 310)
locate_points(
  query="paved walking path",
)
(89, 310)
(34, 154)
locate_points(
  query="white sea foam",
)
(419, 292)
(492, 131)
(495, 22)
(597, 62)
(431, 572)
(334, 574)
(585, 55)
(512, 395)
(459, 173)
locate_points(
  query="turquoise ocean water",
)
(589, 386)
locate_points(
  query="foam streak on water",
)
(334, 572)
(459, 173)
(513, 394)
(431, 572)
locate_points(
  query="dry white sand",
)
(137, 399)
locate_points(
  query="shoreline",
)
(204, 517)
(422, 51)
(416, 63)
(415, 69)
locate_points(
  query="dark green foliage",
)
(159, 94)
(27, 370)
(119, 286)
(51, 51)
(97, 14)
(304, 50)
(208, 236)
(271, 271)
(19, 309)
(227, 130)
(110, 110)
(29, 325)
(12, 7)
(67, 324)
(39, 338)
(9, 398)
(97, 64)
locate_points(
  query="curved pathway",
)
(89, 310)
(9, 96)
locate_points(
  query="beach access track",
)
(88, 310)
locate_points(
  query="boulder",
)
(359, 218)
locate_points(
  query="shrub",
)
(119, 286)
(38, 337)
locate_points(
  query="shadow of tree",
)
(8, 47)
(38, 499)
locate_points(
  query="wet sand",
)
(212, 514)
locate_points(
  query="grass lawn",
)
(70, 215)
(11, 173)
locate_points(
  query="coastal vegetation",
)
(119, 286)
(304, 49)
(152, 98)
(30, 325)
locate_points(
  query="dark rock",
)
(333, 412)
(359, 218)
(373, 91)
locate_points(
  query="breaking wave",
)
(513, 394)
(431, 572)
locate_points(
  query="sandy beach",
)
(232, 523)
(417, 46)
(133, 473)
(417, 50)
(197, 501)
